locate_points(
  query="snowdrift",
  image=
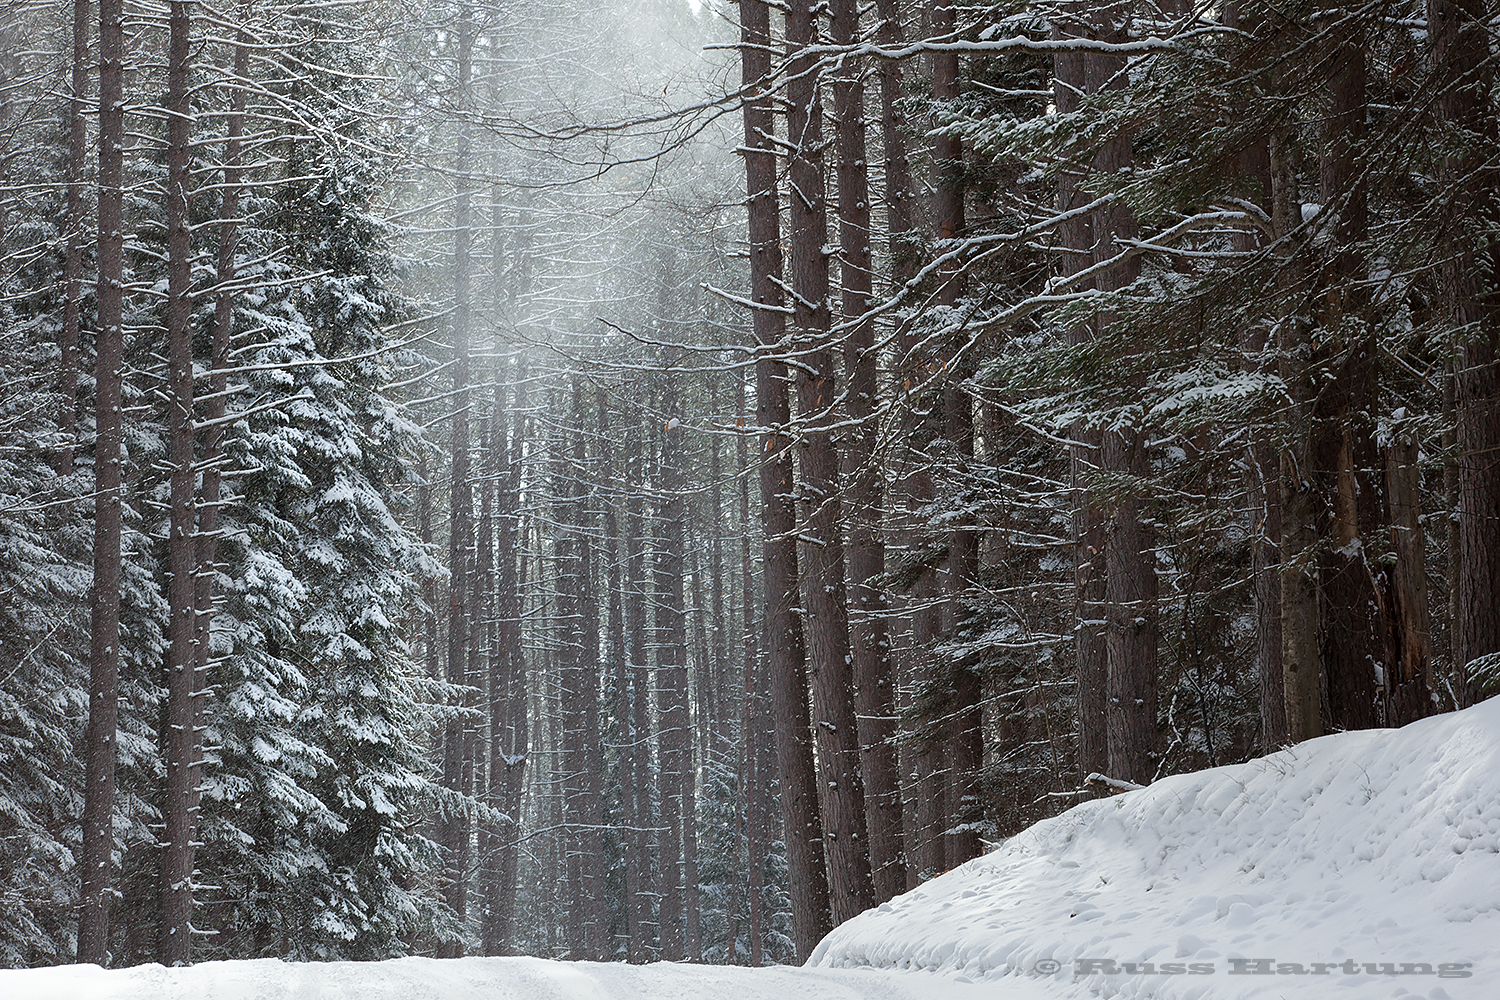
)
(1357, 865)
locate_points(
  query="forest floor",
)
(1360, 865)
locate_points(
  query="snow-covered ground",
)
(1361, 865)
(1372, 847)
(484, 979)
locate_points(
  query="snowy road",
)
(492, 979)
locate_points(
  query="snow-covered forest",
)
(658, 481)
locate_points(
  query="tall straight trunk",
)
(898, 195)
(431, 656)
(695, 750)
(1265, 511)
(1408, 691)
(95, 861)
(67, 382)
(491, 552)
(183, 749)
(752, 732)
(965, 729)
(1130, 585)
(483, 670)
(1344, 451)
(625, 763)
(869, 639)
(491, 836)
(568, 640)
(591, 780)
(456, 756)
(1263, 498)
(704, 710)
(922, 821)
(1459, 36)
(223, 334)
(510, 554)
(671, 678)
(840, 783)
(1299, 499)
(723, 715)
(806, 874)
(642, 941)
(1075, 239)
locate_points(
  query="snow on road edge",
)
(1367, 847)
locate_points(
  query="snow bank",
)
(1281, 877)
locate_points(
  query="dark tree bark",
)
(1075, 238)
(671, 677)
(591, 840)
(1130, 586)
(922, 798)
(840, 783)
(1300, 501)
(869, 639)
(568, 746)
(67, 366)
(898, 195)
(693, 752)
(491, 837)
(491, 833)
(962, 808)
(515, 749)
(721, 733)
(753, 730)
(1408, 691)
(1344, 452)
(457, 758)
(615, 548)
(1254, 175)
(1464, 74)
(183, 746)
(95, 865)
(807, 878)
(223, 333)
(644, 941)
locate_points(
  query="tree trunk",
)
(695, 750)
(840, 783)
(671, 679)
(1408, 691)
(1130, 586)
(515, 749)
(1075, 239)
(752, 716)
(456, 759)
(630, 819)
(962, 810)
(67, 365)
(869, 640)
(643, 941)
(1344, 453)
(1458, 33)
(491, 834)
(183, 746)
(806, 875)
(95, 861)
(591, 842)
(1299, 498)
